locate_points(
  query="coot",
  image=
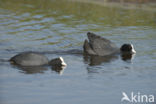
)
(35, 59)
(100, 46)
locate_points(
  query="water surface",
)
(52, 25)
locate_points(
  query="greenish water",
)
(50, 25)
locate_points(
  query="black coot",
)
(35, 59)
(100, 46)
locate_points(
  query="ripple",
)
(54, 26)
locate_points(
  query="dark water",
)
(46, 26)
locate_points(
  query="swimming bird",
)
(35, 59)
(97, 45)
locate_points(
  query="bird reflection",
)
(58, 69)
(39, 69)
(97, 60)
(126, 57)
(32, 69)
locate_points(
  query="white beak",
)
(133, 51)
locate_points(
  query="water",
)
(47, 26)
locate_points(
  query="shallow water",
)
(51, 25)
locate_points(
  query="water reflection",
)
(32, 70)
(97, 60)
(39, 69)
(56, 12)
(58, 69)
(53, 24)
(126, 57)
